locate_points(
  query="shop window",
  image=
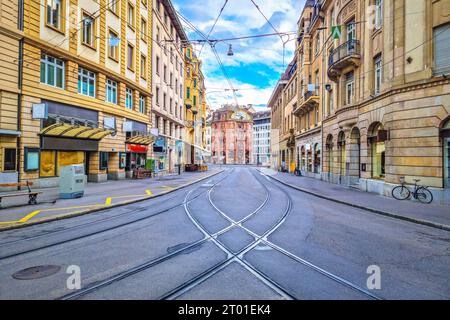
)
(122, 160)
(31, 159)
(48, 164)
(67, 158)
(103, 160)
(9, 163)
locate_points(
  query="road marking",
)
(149, 192)
(108, 201)
(31, 215)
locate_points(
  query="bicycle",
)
(420, 193)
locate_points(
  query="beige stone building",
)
(377, 88)
(309, 111)
(168, 85)
(277, 117)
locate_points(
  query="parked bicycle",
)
(420, 193)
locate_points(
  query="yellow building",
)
(86, 88)
(195, 108)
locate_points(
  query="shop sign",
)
(39, 111)
(136, 148)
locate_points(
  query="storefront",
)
(160, 153)
(69, 135)
(136, 147)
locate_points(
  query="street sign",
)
(336, 32)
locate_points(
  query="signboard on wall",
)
(39, 111)
(137, 148)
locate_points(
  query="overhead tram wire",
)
(273, 27)
(219, 61)
(213, 26)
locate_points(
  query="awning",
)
(64, 130)
(142, 140)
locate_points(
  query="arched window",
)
(342, 154)
(317, 158)
(377, 138)
(445, 136)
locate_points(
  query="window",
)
(130, 15)
(157, 35)
(144, 2)
(143, 30)
(113, 45)
(351, 30)
(165, 101)
(171, 79)
(195, 101)
(143, 68)
(195, 83)
(188, 93)
(141, 104)
(157, 95)
(31, 159)
(349, 88)
(378, 13)
(88, 35)
(54, 14)
(176, 86)
(165, 74)
(181, 91)
(317, 48)
(171, 105)
(114, 7)
(441, 50)
(157, 65)
(86, 82)
(378, 74)
(103, 160)
(52, 71)
(9, 159)
(111, 91)
(128, 98)
(130, 57)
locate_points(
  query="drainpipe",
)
(19, 85)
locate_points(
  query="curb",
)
(85, 212)
(377, 211)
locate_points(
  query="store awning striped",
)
(141, 139)
(64, 130)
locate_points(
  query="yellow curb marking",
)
(28, 217)
(108, 201)
(149, 192)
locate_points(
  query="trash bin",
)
(71, 182)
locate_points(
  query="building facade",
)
(276, 106)
(261, 138)
(375, 72)
(84, 89)
(195, 108)
(11, 45)
(308, 110)
(168, 113)
(232, 133)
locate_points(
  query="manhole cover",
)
(36, 272)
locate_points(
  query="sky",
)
(257, 63)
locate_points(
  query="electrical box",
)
(71, 182)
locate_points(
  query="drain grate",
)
(37, 272)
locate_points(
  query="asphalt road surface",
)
(239, 235)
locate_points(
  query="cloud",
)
(257, 63)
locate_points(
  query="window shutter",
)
(441, 50)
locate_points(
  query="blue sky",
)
(257, 63)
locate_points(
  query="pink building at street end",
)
(232, 133)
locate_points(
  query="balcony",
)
(309, 101)
(347, 54)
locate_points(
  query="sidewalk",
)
(16, 212)
(437, 216)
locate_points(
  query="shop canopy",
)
(65, 130)
(141, 139)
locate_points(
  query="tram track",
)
(264, 239)
(97, 222)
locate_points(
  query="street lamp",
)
(230, 51)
